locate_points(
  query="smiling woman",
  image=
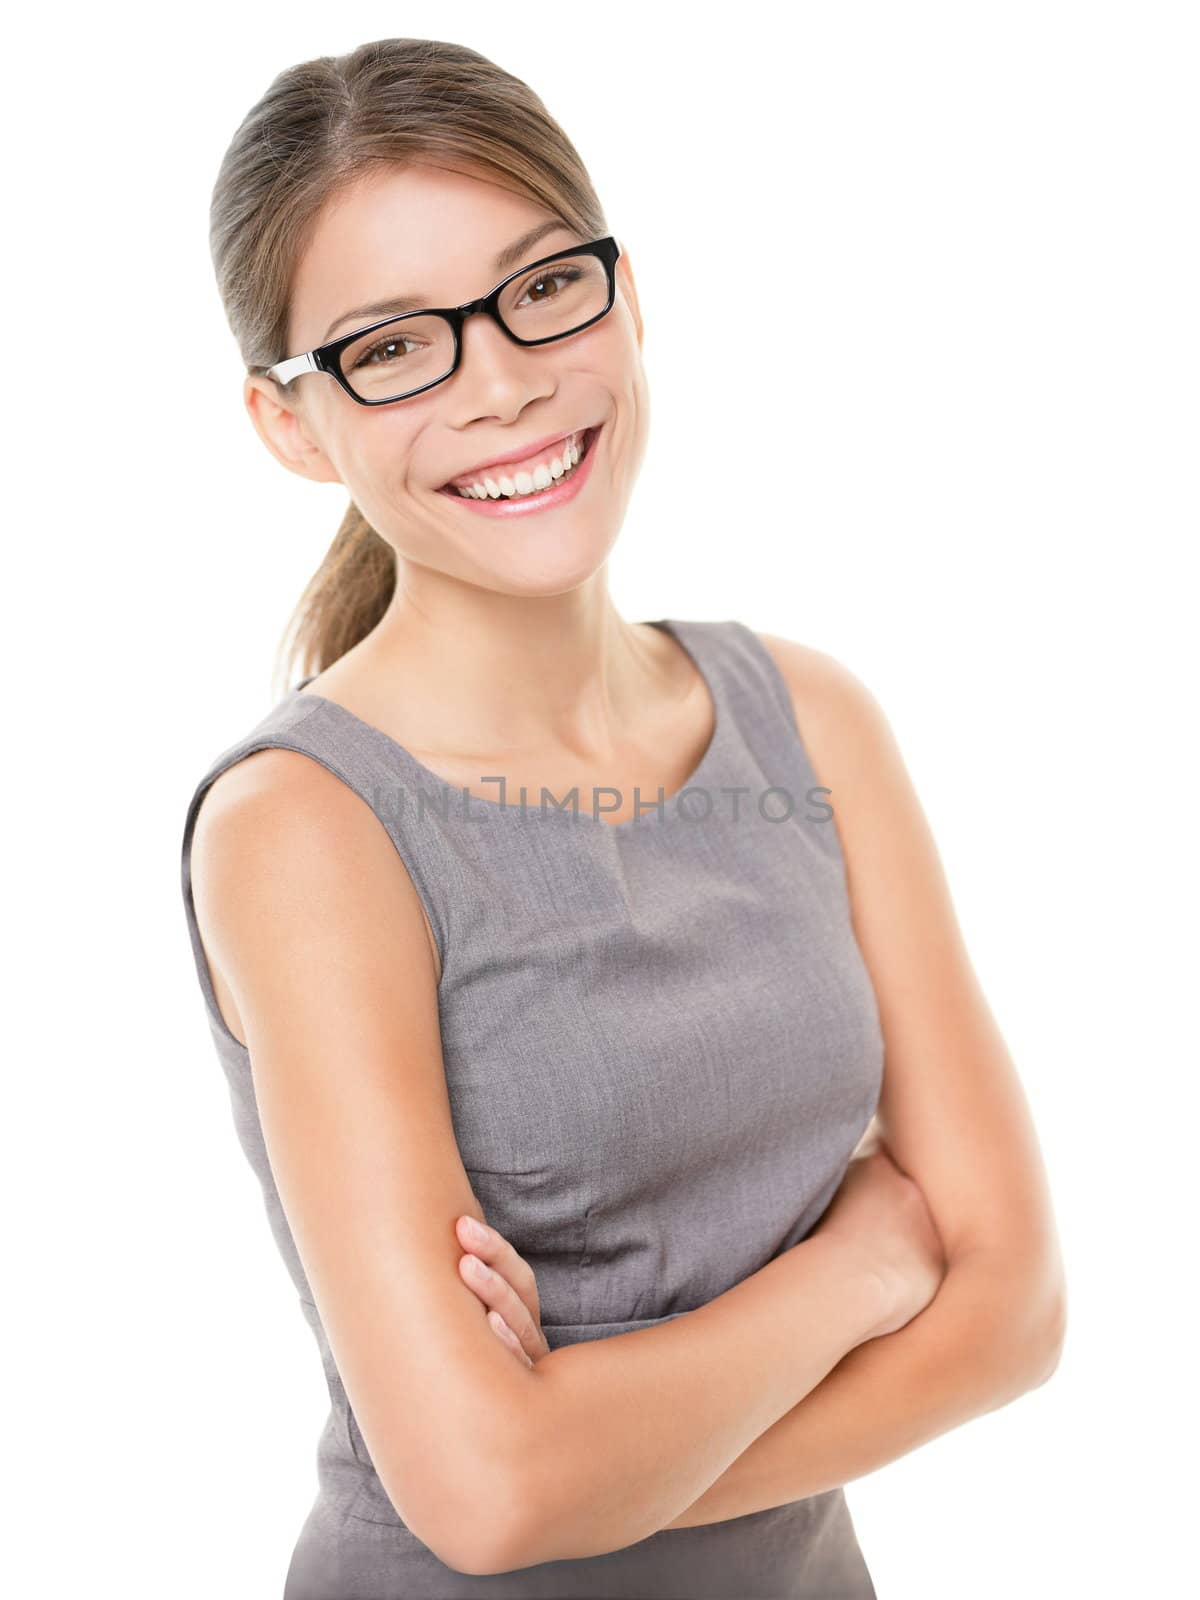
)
(642, 1042)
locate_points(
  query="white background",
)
(931, 406)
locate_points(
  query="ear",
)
(285, 433)
(629, 290)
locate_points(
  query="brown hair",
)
(320, 125)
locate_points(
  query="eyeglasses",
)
(402, 356)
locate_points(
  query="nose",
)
(504, 374)
(487, 351)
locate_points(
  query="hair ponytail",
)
(344, 598)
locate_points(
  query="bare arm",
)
(990, 1334)
(954, 1117)
(306, 910)
(621, 1434)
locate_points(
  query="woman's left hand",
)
(508, 1289)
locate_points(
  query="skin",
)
(538, 678)
(952, 1115)
(537, 675)
(512, 620)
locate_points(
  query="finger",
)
(501, 1328)
(493, 1248)
(500, 1296)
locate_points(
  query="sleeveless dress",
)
(661, 1045)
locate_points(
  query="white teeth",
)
(545, 473)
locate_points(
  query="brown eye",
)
(564, 275)
(384, 344)
(538, 283)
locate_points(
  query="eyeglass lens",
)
(414, 350)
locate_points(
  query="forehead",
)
(422, 231)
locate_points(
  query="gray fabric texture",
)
(661, 1045)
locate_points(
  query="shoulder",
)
(276, 798)
(279, 836)
(841, 721)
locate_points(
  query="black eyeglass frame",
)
(327, 357)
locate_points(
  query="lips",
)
(518, 508)
(540, 449)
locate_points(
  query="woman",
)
(642, 1039)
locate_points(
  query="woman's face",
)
(435, 235)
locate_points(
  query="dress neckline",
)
(648, 817)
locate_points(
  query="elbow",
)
(511, 1535)
(1020, 1327)
(477, 1517)
(1031, 1340)
(1053, 1337)
(470, 1486)
(1049, 1318)
(466, 1532)
(524, 1495)
(487, 1533)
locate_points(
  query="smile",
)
(555, 479)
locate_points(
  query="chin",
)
(539, 568)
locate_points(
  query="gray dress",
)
(661, 1045)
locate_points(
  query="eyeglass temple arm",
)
(285, 371)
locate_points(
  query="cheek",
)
(378, 461)
(634, 392)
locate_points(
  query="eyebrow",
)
(396, 305)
